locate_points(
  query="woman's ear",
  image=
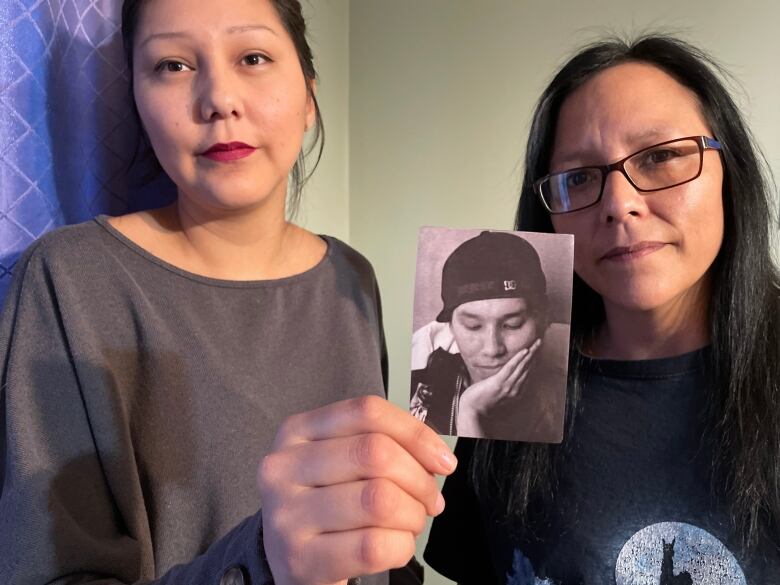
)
(311, 104)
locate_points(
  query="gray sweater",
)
(137, 400)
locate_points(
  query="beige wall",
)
(427, 123)
(325, 205)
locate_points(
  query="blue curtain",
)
(67, 132)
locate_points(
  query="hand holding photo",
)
(492, 313)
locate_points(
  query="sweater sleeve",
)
(59, 522)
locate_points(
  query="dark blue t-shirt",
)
(634, 504)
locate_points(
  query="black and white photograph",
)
(492, 313)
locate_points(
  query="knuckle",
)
(279, 527)
(369, 408)
(282, 540)
(379, 499)
(373, 550)
(270, 472)
(371, 452)
(381, 550)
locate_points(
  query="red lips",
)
(222, 152)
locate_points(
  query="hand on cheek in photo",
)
(485, 403)
(346, 489)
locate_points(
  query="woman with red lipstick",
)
(669, 471)
(148, 360)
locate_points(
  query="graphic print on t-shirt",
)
(675, 553)
(522, 572)
(668, 553)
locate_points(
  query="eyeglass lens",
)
(654, 168)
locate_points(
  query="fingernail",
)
(448, 460)
(439, 506)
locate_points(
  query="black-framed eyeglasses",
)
(654, 168)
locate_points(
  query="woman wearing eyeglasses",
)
(668, 472)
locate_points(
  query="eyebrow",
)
(521, 313)
(642, 137)
(184, 35)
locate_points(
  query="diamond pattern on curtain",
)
(66, 128)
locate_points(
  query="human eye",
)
(659, 156)
(254, 59)
(514, 324)
(580, 178)
(171, 66)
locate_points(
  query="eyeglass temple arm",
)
(708, 142)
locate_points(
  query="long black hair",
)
(743, 419)
(291, 15)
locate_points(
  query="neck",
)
(254, 244)
(678, 327)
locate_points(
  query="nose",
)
(493, 342)
(218, 94)
(620, 200)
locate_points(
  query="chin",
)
(647, 298)
(235, 200)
